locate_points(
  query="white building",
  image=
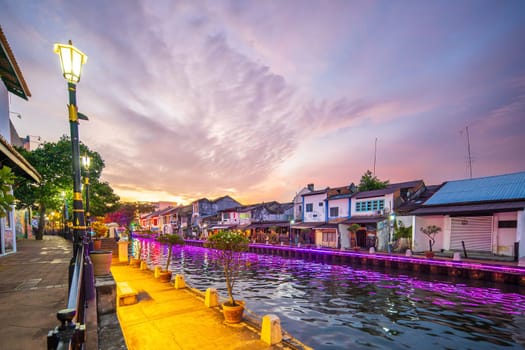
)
(13, 82)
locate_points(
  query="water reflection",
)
(334, 307)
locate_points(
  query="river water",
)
(345, 307)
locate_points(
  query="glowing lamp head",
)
(71, 61)
(86, 162)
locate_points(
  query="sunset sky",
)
(256, 99)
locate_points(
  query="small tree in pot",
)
(170, 240)
(228, 247)
(352, 230)
(430, 231)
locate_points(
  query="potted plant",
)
(228, 247)
(430, 231)
(402, 235)
(100, 230)
(352, 230)
(170, 240)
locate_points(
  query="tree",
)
(228, 247)
(53, 160)
(431, 231)
(102, 199)
(126, 213)
(7, 179)
(370, 182)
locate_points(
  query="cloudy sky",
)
(256, 99)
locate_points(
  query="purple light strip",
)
(379, 256)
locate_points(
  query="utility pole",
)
(375, 156)
(469, 156)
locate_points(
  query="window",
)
(373, 205)
(309, 207)
(320, 204)
(507, 224)
(300, 208)
(225, 216)
(328, 236)
(244, 215)
(334, 212)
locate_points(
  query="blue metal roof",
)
(492, 188)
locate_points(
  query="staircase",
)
(110, 244)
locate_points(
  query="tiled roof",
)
(492, 188)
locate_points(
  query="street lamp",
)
(71, 61)
(86, 162)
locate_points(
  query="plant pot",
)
(97, 244)
(429, 254)
(165, 276)
(233, 314)
(101, 260)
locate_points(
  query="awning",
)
(327, 227)
(269, 224)
(306, 225)
(220, 227)
(364, 219)
(9, 70)
(18, 164)
(483, 208)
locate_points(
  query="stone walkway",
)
(169, 318)
(33, 287)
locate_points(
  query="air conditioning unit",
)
(381, 212)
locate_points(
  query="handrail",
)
(75, 288)
(71, 333)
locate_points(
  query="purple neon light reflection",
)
(337, 306)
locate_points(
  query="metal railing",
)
(71, 333)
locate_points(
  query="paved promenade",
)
(169, 318)
(33, 287)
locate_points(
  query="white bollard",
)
(211, 298)
(408, 253)
(372, 250)
(457, 256)
(179, 282)
(156, 271)
(271, 329)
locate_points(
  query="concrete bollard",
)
(408, 253)
(271, 329)
(143, 265)
(211, 298)
(156, 271)
(123, 251)
(372, 250)
(457, 256)
(179, 282)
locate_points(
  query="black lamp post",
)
(71, 61)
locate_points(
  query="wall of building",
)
(342, 204)
(503, 239)
(318, 206)
(421, 241)
(5, 131)
(520, 236)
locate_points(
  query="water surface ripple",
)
(344, 307)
